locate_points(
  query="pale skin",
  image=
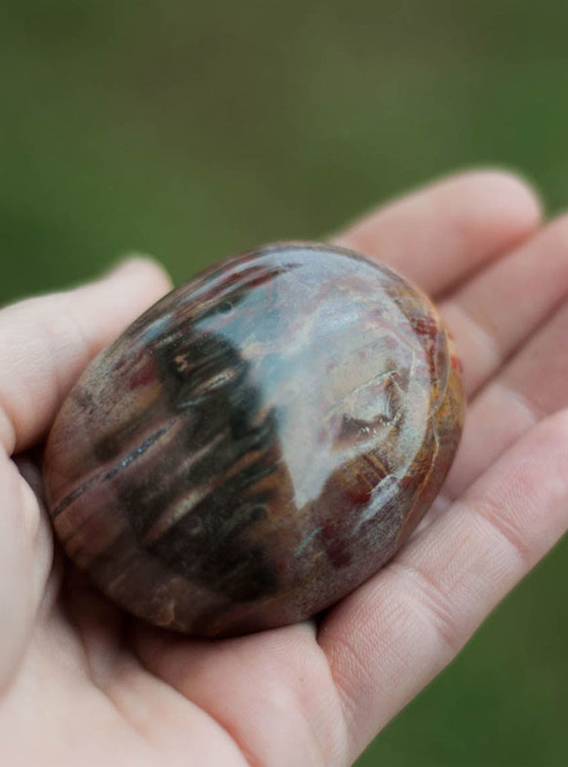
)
(81, 683)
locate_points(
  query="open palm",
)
(82, 683)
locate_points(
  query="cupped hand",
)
(82, 683)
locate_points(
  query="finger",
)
(282, 709)
(439, 235)
(496, 310)
(25, 556)
(530, 387)
(389, 638)
(46, 342)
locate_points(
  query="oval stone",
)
(258, 443)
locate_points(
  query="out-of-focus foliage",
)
(191, 130)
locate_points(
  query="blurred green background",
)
(191, 130)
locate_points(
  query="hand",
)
(82, 683)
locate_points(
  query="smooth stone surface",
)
(258, 443)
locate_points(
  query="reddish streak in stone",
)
(456, 364)
(120, 364)
(143, 375)
(359, 496)
(249, 278)
(333, 546)
(426, 327)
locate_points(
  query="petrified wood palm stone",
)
(258, 443)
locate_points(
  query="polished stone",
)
(259, 442)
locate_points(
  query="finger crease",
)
(532, 411)
(359, 669)
(432, 599)
(7, 431)
(487, 338)
(491, 514)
